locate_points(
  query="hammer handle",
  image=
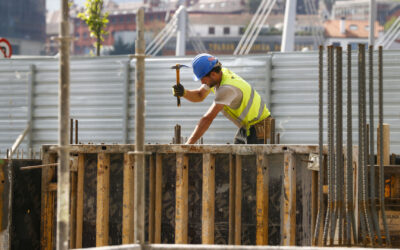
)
(178, 99)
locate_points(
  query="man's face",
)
(211, 80)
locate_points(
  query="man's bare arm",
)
(205, 122)
(196, 95)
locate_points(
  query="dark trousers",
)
(242, 138)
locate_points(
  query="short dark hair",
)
(217, 68)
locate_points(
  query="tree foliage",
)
(96, 21)
(121, 48)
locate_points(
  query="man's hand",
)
(178, 90)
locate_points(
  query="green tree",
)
(121, 48)
(96, 21)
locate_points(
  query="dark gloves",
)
(178, 90)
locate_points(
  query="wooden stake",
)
(288, 218)
(238, 201)
(128, 200)
(181, 211)
(262, 200)
(47, 204)
(103, 197)
(158, 200)
(208, 207)
(79, 200)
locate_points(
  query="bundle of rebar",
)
(338, 224)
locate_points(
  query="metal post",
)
(181, 32)
(63, 175)
(288, 27)
(139, 214)
(125, 104)
(339, 142)
(31, 89)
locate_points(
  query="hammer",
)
(178, 82)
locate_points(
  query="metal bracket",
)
(313, 162)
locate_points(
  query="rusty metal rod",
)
(381, 168)
(39, 166)
(372, 199)
(76, 132)
(321, 204)
(360, 149)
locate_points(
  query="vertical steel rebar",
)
(76, 132)
(139, 214)
(321, 204)
(362, 216)
(63, 174)
(381, 167)
(365, 193)
(349, 183)
(330, 144)
(371, 145)
(339, 142)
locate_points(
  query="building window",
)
(353, 27)
(241, 30)
(226, 30)
(211, 30)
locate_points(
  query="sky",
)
(55, 4)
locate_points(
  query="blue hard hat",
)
(202, 64)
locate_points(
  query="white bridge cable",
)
(164, 35)
(254, 26)
(389, 34)
(155, 43)
(316, 32)
(318, 28)
(253, 19)
(260, 25)
(393, 38)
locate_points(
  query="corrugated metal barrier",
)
(105, 110)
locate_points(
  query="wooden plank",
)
(47, 203)
(79, 200)
(386, 144)
(238, 201)
(208, 204)
(73, 201)
(314, 201)
(181, 210)
(232, 189)
(288, 218)
(262, 200)
(158, 200)
(3, 164)
(152, 198)
(128, 200)
(103, 198)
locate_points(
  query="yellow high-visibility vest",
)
(252, 109)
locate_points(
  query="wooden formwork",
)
(267, 189)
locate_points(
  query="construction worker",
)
(234, 97)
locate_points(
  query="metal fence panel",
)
(288, 81)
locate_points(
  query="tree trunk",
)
(98, 44)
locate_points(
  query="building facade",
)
(23, 23)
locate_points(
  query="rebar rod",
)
(330, 147)
(360, 149)
(333, 172)
(371, 144)
(381, 169)
(349, 183)
(364, 139)
(339, 142)
(321, 204)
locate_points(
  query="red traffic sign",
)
(5, 48)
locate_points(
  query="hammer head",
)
(178, 66)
